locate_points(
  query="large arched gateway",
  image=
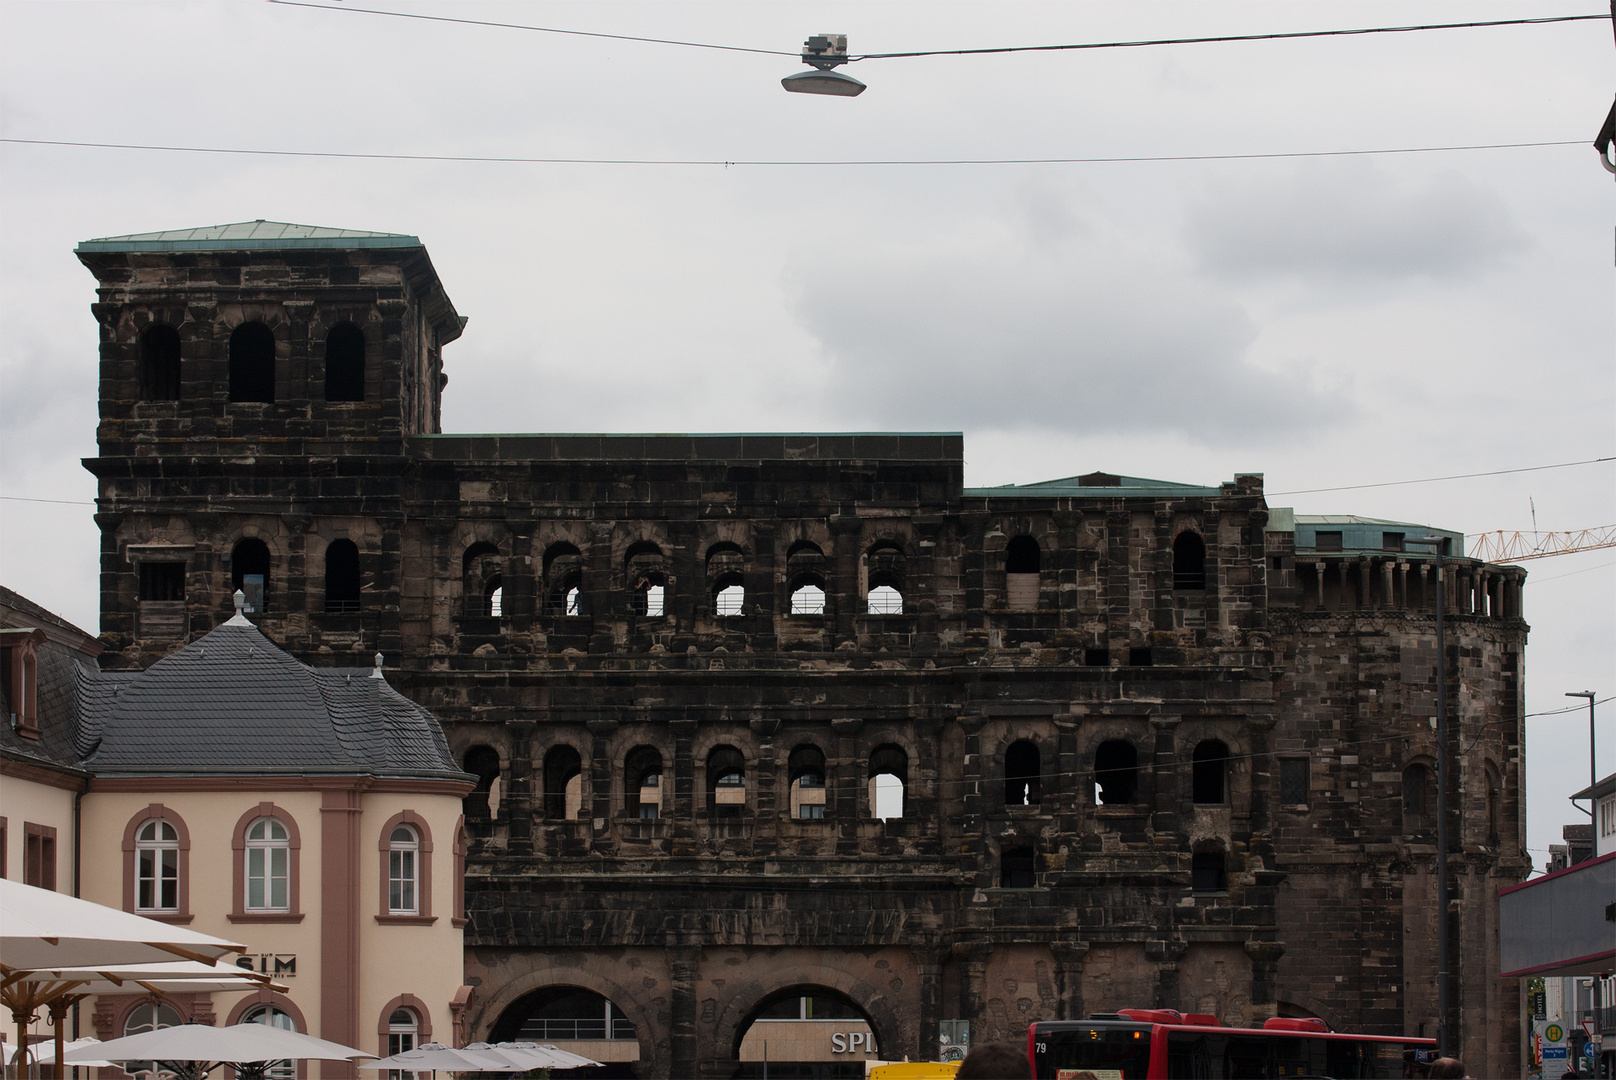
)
(573, 1018)
(805, 1033)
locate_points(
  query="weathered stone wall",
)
(688, 921)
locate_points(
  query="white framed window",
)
(157, 867)
(273, 1017)
(269, 852)
(403, 871)
(403, 1028)
(148, 1016)
(1607, 818)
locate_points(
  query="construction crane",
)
(1503, 546)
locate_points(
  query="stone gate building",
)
(780, 730)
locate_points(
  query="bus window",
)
(1110, 1051)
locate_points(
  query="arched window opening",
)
(252, 363)
(726, 580)
(160, 364)
(806, 767)
(563, 580)
(1021, 774)
(642, 783)
(482, 573)
(403, 1028)
(1189, 561)
(268, 866)
(1116, 773)
(345, 363)
(805, 578)
(403, 871)
(1018, 868)
(249, 573)
(883, 570)
(1208, 870)
(1209, 773)
(647, 571)
(1022, 560)
(562, 1014)
(271, 1017)
(730, 598)
(1419, 799)
(157, 867)
(148, 1016)
(563, 783)
(889, 776)
(342, 585)
(726, 782)
(482, 803)
(793, 1026)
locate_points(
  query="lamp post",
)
(1437, 543)
(824, 53)
(1593, 773)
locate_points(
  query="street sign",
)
(1588, 1029)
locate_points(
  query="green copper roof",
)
(246, 235)
(1093, 485)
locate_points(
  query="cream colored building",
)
(313, 814)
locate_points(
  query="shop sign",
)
(279, 965)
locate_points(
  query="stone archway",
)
(732, 1024)
(647, 1016)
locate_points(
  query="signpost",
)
(1554, 1049)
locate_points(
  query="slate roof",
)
(57, 673)
(234, 703)
(250, 235)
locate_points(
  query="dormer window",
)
(19, 678)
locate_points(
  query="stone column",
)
(929, 964)
(1164, 954)
(599, 804)
(1264, 973)
(1319, 568)
(1069, 956)
(1388, 597)
(971, 960)
(765, 812)
(683, 970)
(684, 787)
(847, 775)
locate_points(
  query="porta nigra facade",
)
(778, 725)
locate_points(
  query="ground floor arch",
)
(805, 1032)
(577, 1019)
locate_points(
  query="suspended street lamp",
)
(823, 53)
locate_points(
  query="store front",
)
(578, 1020)
(806, 1033)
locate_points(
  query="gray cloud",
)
(1352, 222)
(989, 331)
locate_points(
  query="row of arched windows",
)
(1116, 779)
(252, 363)
(250, 574)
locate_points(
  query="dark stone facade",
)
(509, 581)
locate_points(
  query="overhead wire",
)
(978, 51)
(791, 162)
(1436, 479)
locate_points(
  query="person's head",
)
(1447, 1069)
(995, 1061)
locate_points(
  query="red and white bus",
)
(1155, 1044)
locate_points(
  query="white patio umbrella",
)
(41, 929)
(436, 1057)
(45, 1053)
(209, 1047)
(531, 1055)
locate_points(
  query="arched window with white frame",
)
(270, 1016)
(403, 871)
(403, 1031)
(269, 871)
(157, 867)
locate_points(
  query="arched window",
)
(345, 363)
(1189, 561)
(647, 570)
(252, 363)
(563, 783)
(403, 1028)
(1419, 799)
(1208, 870)
(148, 1016)
(726, 565)
(482, 575)
(160, 364)
(889, 775)
(403, 871)
(805, 578)
(249, 572)
(1209, 773)
(726, 782)
(273, 1017)
(642, 783)
(1116, 773)
(1022, 560)
(482, 802)
(342, 576)
(157, 858)
(269, 856)
(563, 580)
(806, 767)
(1018, 868)
(883, 567)
(1021, 774)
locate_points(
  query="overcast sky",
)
(1326, 321)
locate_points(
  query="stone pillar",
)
(929, 964)
(765, 813)
(603, 599)
(843, 575)
(971, 961)
(683, 970)
(1264, 974)
(1069, 956)
(1319, 568)
(684, 788)
(1366, 569)
(847, 775)
(1388, 597)
(973, 839)
(599, 804)
(1165, 954)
